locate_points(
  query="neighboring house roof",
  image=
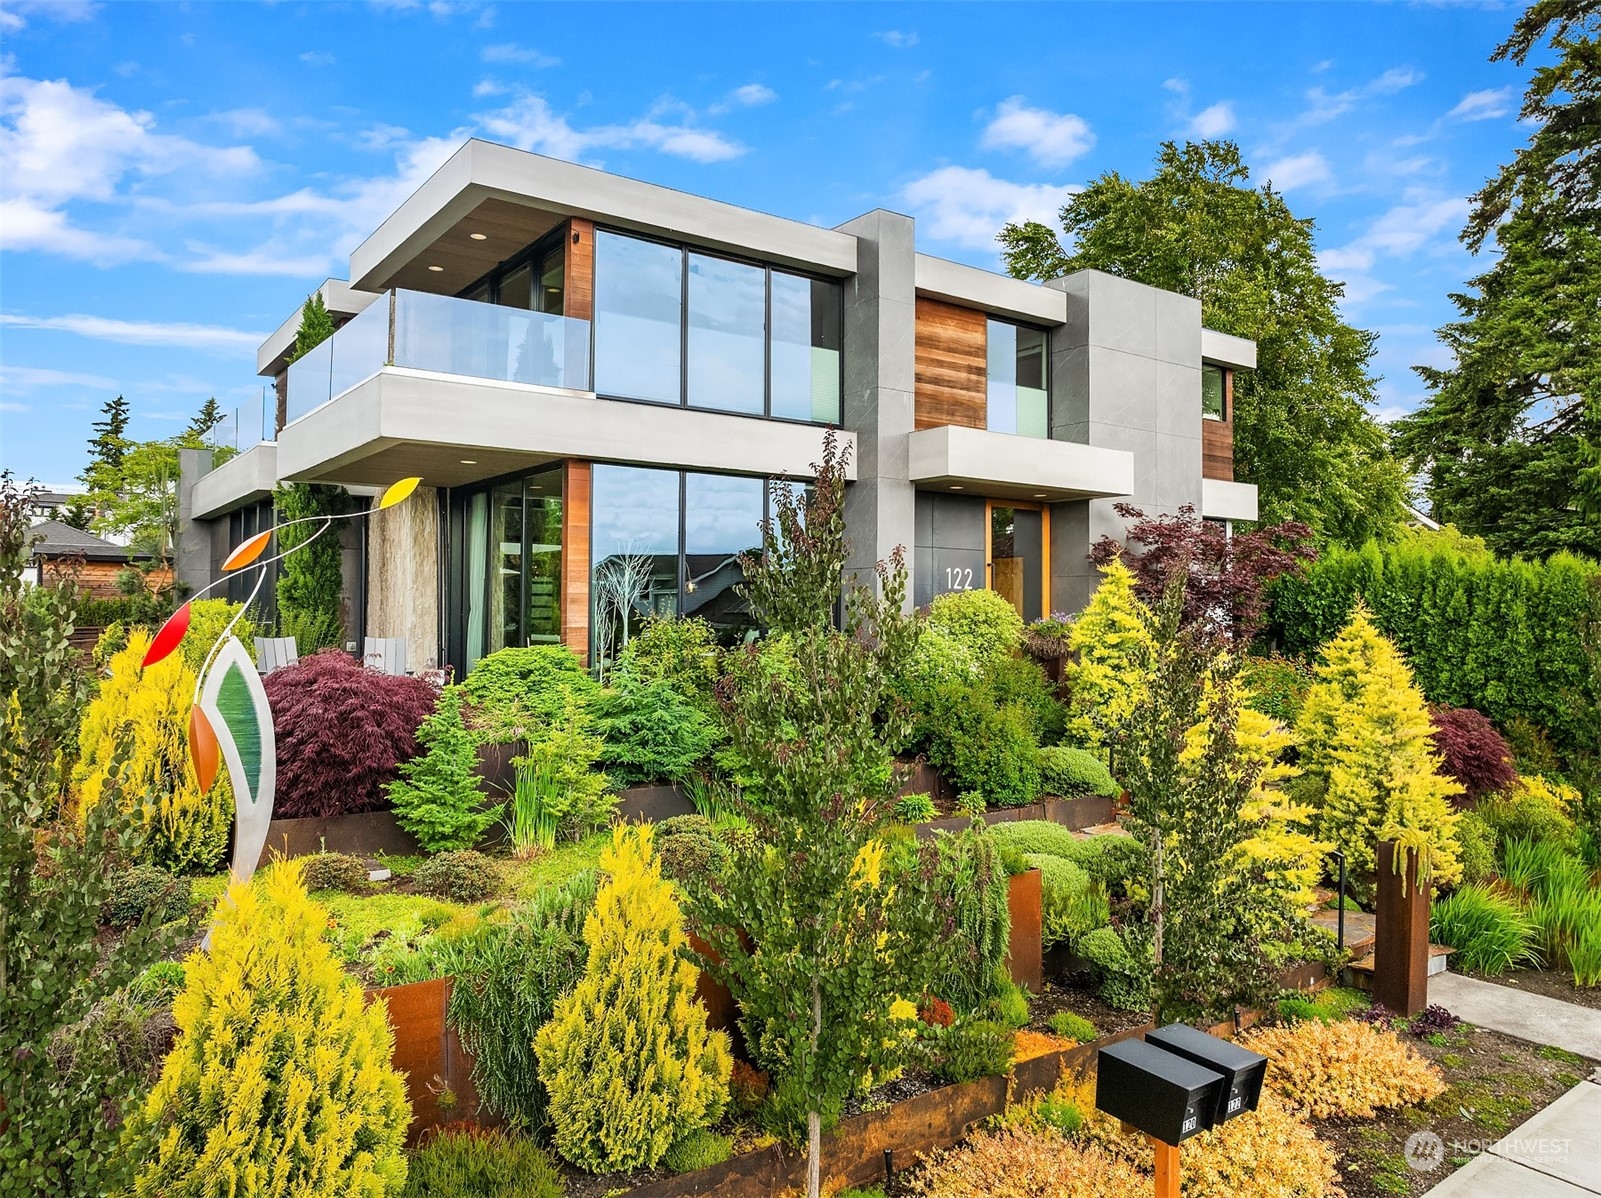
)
(1419, 519)
(62, 540)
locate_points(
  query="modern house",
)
(595, 376)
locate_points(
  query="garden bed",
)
(1496, 1083)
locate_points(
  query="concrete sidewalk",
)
(1556, 1154)
(1532, 1017)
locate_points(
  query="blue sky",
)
(174, 178)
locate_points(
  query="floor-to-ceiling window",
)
(681, 327)
(1019, 401)
(666, 543)
(504, 585)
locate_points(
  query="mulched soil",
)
(1495, 1082)
(1553, 983)
(1075, 992)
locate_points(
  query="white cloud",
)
(271, 258)
(27, 378)
(1298, 170)
(968, 207)
(1326, 105)
(1483, 105)
(248, 122)
(60, 144)
(1398, 233)
(318, 58)
(751, 95)
(524, 55)
(16, 12)
(141, 332)
(1213, 121)
(7, 406)
(529, 123)
(1052, 139)
(898, 38)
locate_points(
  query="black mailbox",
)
(1159, 1092)
(1242, 1070)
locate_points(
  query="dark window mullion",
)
(683, 557)
(683, 339)
(767, 342)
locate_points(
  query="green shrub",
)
(1072, 903)
(158, 984)
(700, 1149)
(1116, 861)
(463, 876)
(970, 1049)
(682, 653)
(475, 1162)
(1490, 934)
(651, 732)
(981, 621)
(1276, 686)
(509, 975)
(973, 884)
(1062, 1117)
(439, 797)
(334, 871)
(138, 892)
(1021, 682)
(1073, 1027)
(1122, 968)
(1009, 1007)
(1073, 773)
(517, 694)
(558, 791)
(979, 745)
(1036, 836)
(1476, 843)
(1533, 808)
(690, 850)
(1298, 1010)
(914, 809)
(626, 1057)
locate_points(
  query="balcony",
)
(247, 426)
(443, 335)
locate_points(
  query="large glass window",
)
(726, 318)
(722, 519)
(639, 300)
(753, 339)
(1213, 392)
(1018, 398)
(806, 345)
(505, 565)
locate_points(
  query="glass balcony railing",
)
(247, 426)
(444, 334)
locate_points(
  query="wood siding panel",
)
(580, 280)
(1217, 449)
(952, 366)
(575, 559)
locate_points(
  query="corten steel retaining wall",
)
(438, 1070)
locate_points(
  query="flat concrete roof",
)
(341, 300)
(482, 170)
(1002, 295)
(1225, 349)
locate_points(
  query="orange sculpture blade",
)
(247, 552)
(168, 638)
(398, 492)
(203, 749)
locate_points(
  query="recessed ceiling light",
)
(469, 461)
(954, 487)
(1040, 494)
(436, 268)
(479, 236)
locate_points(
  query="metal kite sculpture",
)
(230, 721)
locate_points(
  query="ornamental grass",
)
(1343, 1068)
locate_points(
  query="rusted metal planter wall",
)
(1024, 950)
(365, 833)
(438, 1070)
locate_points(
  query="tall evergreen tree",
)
(1303, 432)
(1510, 436)
(109, 443)
(208, 418)
(316, 325)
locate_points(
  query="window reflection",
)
(1212, 392)
(1018, 400)
(722, 519)
(634, 554)
(726, 317)
(806, 346)
(638, 309)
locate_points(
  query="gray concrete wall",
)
(1125, 374)
(880, 378)
(195, 561)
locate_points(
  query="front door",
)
(1017, 565)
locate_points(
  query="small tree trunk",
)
(814, 1119)
(1157, 867)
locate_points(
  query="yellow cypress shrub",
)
(280, 1082)
(188, 828)
(1104, 683)
(626, 1057)
(1365, 732)
(1344, 1068)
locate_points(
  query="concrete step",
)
(1359, 973)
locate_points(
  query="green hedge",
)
(1513, 638)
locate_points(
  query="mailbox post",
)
(1175, 1084)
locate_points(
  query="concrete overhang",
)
(341, 300)
(514, 197)
(1000, 295)
(1225, 349)
(1000, 465)
(453, 430)
(243, 478)
(1224, 500)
